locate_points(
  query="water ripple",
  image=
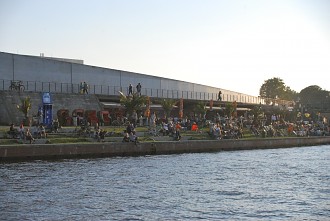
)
(281, 184)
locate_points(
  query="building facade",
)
(57, 75)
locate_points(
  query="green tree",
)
(313, 96)
(167, 105)
(200, 108)
(274, 89)
(25, 106)
(132, 103)
(288, 94)
(258, 114)
(229, 109)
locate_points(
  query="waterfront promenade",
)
(115, 149)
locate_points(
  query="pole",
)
(13, 66)
(71, 78)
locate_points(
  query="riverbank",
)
(118, 149)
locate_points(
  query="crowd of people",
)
(219, 127)
(28, 134)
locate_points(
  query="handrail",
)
(59, 87)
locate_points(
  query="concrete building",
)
(39, 73)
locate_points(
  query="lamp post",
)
(300, 109)
(326, 103)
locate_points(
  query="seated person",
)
(133, 137)
(42, 131)
(21, 131)
(171, 128)
(55, 126)
(194, 127)
(126, 137)
(29, 136)
(217, 131)
(164, 129)
(97, 135)
(12, 131)
(100, 134)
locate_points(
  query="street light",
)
(300, 109)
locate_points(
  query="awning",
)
(111, 105)
(118, 105)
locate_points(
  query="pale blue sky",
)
(232, 44)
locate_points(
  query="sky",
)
(231, 44)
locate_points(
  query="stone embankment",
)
(113, 149)
(10, 99)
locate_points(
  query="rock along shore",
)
(114, 149)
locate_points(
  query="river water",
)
(273, 184)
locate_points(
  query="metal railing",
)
(57, 87)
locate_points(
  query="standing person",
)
(81, 88)
(85, 88)
(130, 89)
(153, 119)
(219, 96)
(138, 88)
(177, 131)
(134, 118)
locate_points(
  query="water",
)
(278, 184)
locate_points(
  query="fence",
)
(56, 87)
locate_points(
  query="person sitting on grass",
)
(42, 131)
(28, 136)
(12, 131)
(55, 125)
(21, 132)
(194, 127)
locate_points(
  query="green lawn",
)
(70, 135)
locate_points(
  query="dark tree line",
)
(274, 89)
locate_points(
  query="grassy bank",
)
(72, 135)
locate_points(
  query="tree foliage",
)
(132, 103)
(25, 106)
(167, 105)
(229, 109)
(313, 96)
(200, 108)
(274, 89)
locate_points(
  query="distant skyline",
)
(230, 44)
